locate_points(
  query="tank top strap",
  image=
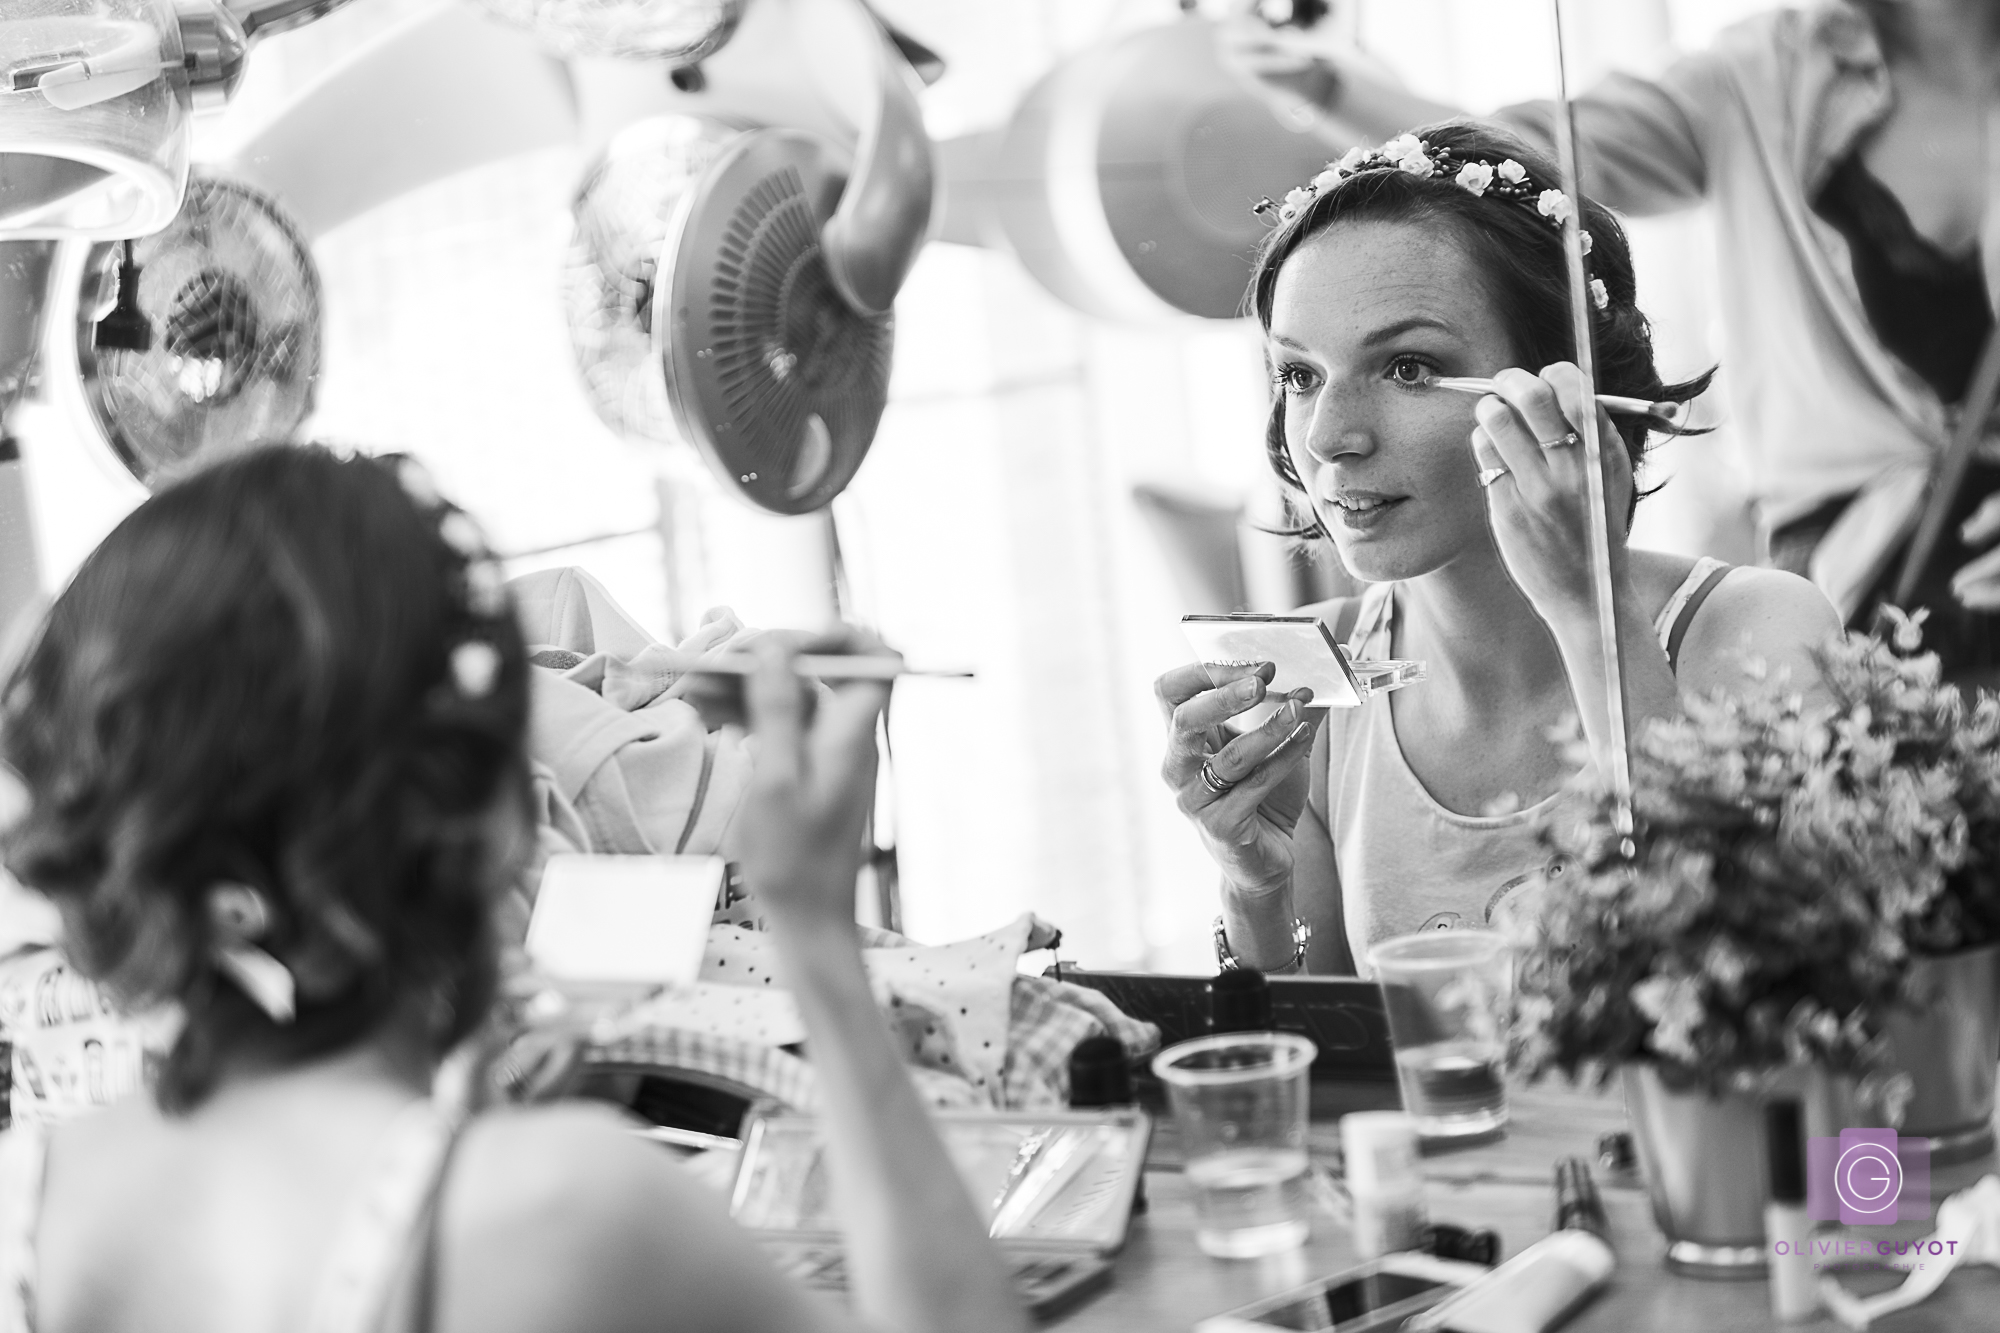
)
(386, 1224)
(1672, 623)
(24, 1151)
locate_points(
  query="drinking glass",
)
(1447, 995)
(1240, 1101)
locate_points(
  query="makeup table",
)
(1162, 1281)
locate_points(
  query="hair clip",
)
(238, 915)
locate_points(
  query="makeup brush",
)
(824, 667)
(1670, 413)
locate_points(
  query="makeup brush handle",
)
(1611, 402)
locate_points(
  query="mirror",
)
(994, 524)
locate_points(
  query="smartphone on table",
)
(1376, 1296)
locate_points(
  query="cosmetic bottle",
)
(1239, 1000)
(1384, 1181)
(1100, 1074)
(1787, 1230)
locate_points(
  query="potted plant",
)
(1913, 739)
(1753, 941)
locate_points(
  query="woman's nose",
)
(1338, 428)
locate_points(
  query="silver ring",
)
(1489, 475)
(1564, 442)
(1213, 780)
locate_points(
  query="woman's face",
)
(1361, 313)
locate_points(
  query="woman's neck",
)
(1953, 44)
(1478, 633)
(393, 1064)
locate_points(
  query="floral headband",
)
(1507, 180)
(475, 661)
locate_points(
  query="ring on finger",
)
(1562, 442)
(1213, 780)
(1489, 475)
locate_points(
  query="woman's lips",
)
(1359, 513)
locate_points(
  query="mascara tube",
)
(1787, 1230)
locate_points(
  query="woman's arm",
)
(1644, 139)
(917, 1246)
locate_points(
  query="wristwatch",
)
(1226, 958)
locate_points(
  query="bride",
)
(1440, 254)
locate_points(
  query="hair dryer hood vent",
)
(776, 378)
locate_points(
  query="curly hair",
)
(1519, 252)
(252, 680)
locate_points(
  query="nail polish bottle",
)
(1100, 1074)
(1384, 1181)
(1787, 1230)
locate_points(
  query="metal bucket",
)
(1950, 1047)
(1705, 1166)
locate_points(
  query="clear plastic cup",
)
(1447, 994)
(1240, 1102)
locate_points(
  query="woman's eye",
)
(1409, 371)
(1292, 378)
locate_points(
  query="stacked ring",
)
(1213, 780)
(1489, 475)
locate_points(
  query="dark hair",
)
(1520, 254)
(252, 680)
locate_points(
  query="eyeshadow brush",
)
(1670, 413)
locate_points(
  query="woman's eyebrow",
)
(1390, 332)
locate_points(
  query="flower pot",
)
(1706, 1170)
(1949, 1047)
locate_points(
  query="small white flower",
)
(1599, 297)
(1326, 180)
(474, 666)
(1416, 164)
(486, 588)
(1553, 204)
(1587, 242)
(1513, 172)
(1351, 161)
(1295, 203)
(417, 483)
(462, 535)
(1402, 146)
(1475, 176)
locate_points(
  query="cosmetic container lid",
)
(1380, 1148)
(1099, 1074)
(1785, 1146)
(1239, 1000)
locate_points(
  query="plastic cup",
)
(1240, 1101)
(1447, 995)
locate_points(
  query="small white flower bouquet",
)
(1789, 861)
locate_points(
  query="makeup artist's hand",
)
(1248, 827)
(1977, 582)
(812, 782)
(1539, 508)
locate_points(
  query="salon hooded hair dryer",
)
(730, 287)
(97, 99)
(1125, 180)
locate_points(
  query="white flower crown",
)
(1406, 152)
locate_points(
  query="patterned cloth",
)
(974, 1031)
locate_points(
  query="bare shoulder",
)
(1765, 614)
(562, 1217)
